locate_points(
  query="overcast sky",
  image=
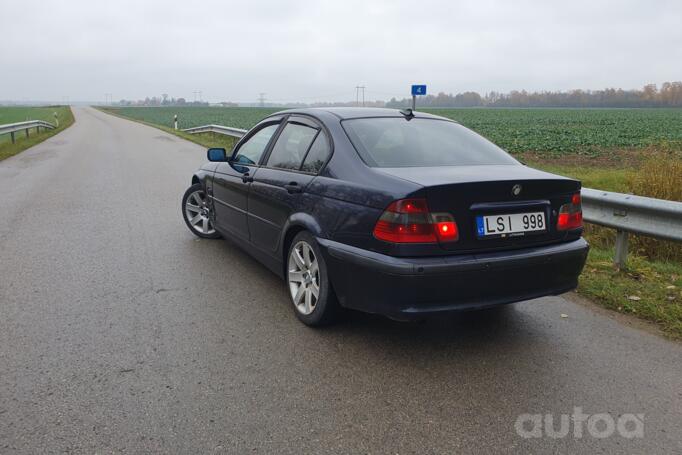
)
(320, 50)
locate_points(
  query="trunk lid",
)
(468, 192)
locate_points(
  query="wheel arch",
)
(296, 223)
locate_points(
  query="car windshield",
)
(398, 142)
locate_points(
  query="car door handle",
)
(292, 187)
(246, 178)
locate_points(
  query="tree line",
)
(669, 95)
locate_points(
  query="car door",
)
(300, 151)
(232, 180)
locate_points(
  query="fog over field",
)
(319, 51)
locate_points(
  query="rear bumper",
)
(406, 288)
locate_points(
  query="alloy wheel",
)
(304, 277)
(198, 213)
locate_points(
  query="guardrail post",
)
(620, 258)
(12, 136)
(26, 133)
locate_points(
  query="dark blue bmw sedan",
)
(400, 213)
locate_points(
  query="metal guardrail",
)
(12, 128)
(226, 130)
(628, 213)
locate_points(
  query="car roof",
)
(344, 113)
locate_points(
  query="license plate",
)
(510, 224)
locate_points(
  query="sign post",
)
(175, 121)
(417, 90)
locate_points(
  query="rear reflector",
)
(570, 215)
(409, 221)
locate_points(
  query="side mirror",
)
(216, 154)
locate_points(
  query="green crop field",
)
(14, 114)
(548, 131)
(560, 131)
(236, 117)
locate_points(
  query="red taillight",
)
(445, 226)
(570, 215)
(409, 206)
(409, 221)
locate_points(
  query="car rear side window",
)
(398, 142)
(251, 151)
(291, 146)
(317, 155)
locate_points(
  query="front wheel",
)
(314, 300)
(196, 211)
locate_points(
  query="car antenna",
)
(408, 113)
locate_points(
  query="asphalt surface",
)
(122, 332)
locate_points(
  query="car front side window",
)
(251, 151)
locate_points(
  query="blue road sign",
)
(418, 90)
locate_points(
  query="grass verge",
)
(651, 290)
(7, 148)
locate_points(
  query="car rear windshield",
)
(398, 142)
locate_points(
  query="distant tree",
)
(670, 95)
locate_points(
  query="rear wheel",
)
(197, 212)
(314, 301)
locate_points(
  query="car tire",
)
(307, 277)
(198, 212)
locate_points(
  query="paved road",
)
(122, 332)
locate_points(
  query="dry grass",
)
(654, 172)
(660, 175)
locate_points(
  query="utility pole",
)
(261, 99)
(357, 95)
